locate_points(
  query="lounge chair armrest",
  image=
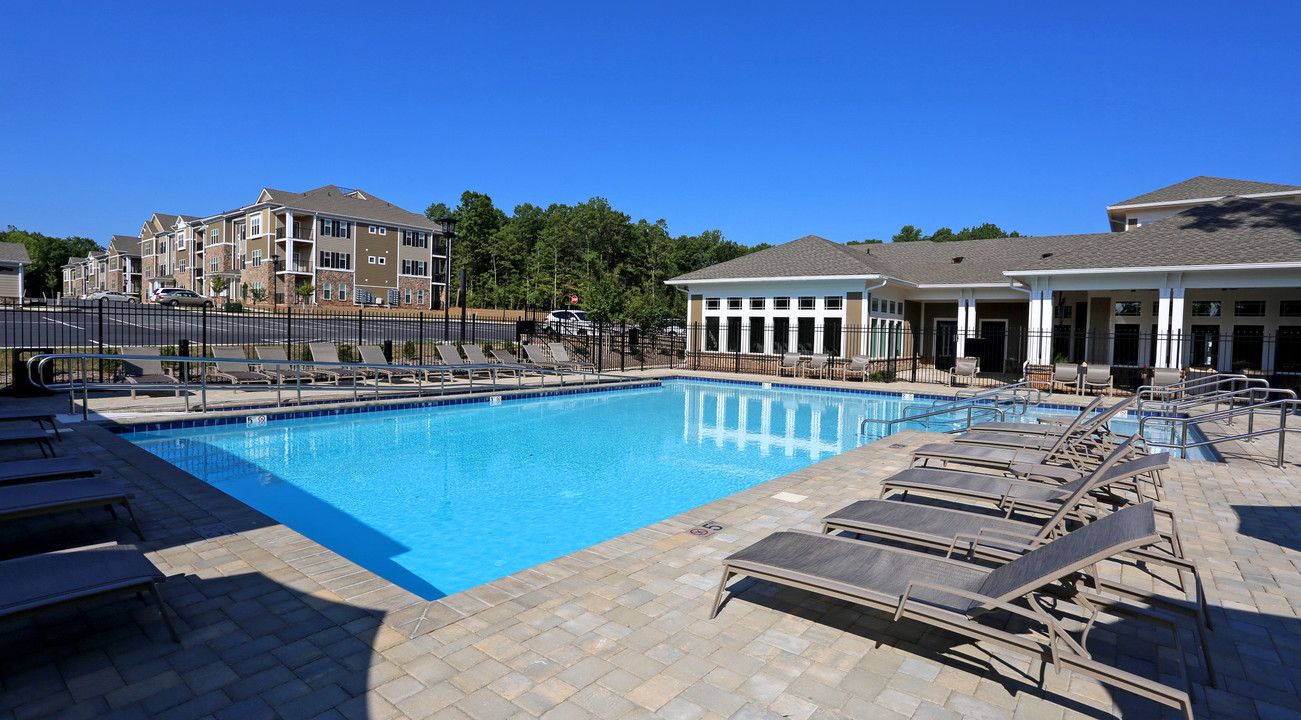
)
(985, 536)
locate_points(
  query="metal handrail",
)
(1285, 409)
(969, 408)
(1194, 383)
(1025, 388)
(1228, 396)
(36, 366)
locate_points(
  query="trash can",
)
(22, 384)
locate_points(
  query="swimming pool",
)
(442, 499)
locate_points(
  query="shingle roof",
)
(1231, 231)
(333, 201)
(73, 261)
(1203, 187)
(809, 256)
(13, 252)
(124, 244)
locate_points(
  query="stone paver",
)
(274, 625)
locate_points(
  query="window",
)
(414, 267)
(1289, 308)
(1062, 312)
(334, 228)
(255, 285)
(257, 258)
(804, 336)
(896, 307)
(1131, 222)
(255, 225)
(383, 231)
(1125, 350)
(162, 247)
(1128, 308)
(833, 302)
(757, 303)
(214, 236)
(415, 239)
(240, 233)
(325, 291)
(831, 337)
(781, 303)
(372, 230)
(711, 303)
(734, 303)
(711, 333)
(1249, 308)
(381, 260)
(213, 264)
(370, 259)
(807, 303)
(343, 291)
(1206, 308)
(420, 297)
(336, 260)
(781, 335)
(876, 305)
(756, 334)
(162, 269)
(408, 296)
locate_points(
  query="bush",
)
(346, 354)
(232, 307)
(883, 376)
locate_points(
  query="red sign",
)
(573, 299)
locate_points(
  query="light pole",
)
(448, 225)
(275, 265)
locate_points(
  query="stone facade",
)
(334, 279)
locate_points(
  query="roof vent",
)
(1045, 256)
(957, 259)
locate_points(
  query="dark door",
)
(946, 344)
(1081, 322)
(1287, 352)
(993, 350)
(1204, 346)
(1248, 347)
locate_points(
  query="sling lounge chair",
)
(1097, 377)
(42, 498)
(474, 355)
(504, 357)
(1067, 375)
(952, 595)
(235, 373)
(328, 353)
(29, 434)
(40, 418)
(789, 364)
(145, 372)
(857, 366)
(537, 355)
(1161, 377)
(966, 368)
(448, 355)
(23, 471)
(1090, 427)
(817, 364)
(560, 354)
(52, 581)
(1027, 428)
(374, 355)
(281, 373)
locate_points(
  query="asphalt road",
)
(158, 326)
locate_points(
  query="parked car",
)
(113, 295)
(676, 328)
(569, 322)
(180, 296)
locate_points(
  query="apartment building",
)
(330, 246)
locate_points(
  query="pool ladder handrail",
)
(969, 407)
(1030, 391)
(1151, 392)
(1253, 396)
(1286, 406)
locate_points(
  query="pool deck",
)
(273, 625)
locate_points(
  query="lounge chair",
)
(538, 356)
(474, 355)
(817, 363)
(373, 355)
(1090, 427)
(281, 373)
(789, 364)
(505, 357)
(448, 355)
(328, 353)
(1041, 428)
(42, 498)
(146, 372)
(560, 354)
(33, 435)
(52, 581)
(1097, 377)
(857, 366)
(951, 595)
(1068, 375)
(966, 368)
(40, 418)
(235, 373)
(21, 471)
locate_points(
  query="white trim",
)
(1158, 268)
(1195, 201)
(782, 278)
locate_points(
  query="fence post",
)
(203, 336)
(359, 321)
(474, 327)
(289, 332)
(101, 338)
(420, 333)
(623, 342)
(916, 349)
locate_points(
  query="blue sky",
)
(765, 121)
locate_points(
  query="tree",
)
(258, 294)
(219, 285)
(868, 241)
(907, 233)
(49, 254)
(305, 292)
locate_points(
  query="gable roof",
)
(12, 252)
(1204, 187)
(124, 245)
(809, 256)
(354, 204)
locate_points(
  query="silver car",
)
(176, 298)
(113, 296)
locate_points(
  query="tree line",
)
(910, 233)
(49, 254)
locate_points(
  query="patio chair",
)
(23, 471)
(146, 372)
(1090, 427)
(448, 355)
(1162, 377)
(789, 364)
(966, 368)
(33, 435)
(43, 498)
(474, 356)
(560, 354)
(818, 362)
(538, 356)
(1096, 377)
(40, 418)
(952, 595)
(281, 372)
(1068, 375)
(505, 357)
(328, 353)
(857, 366)
(1042, 428)
(235, 373)
(52, 581)
(374, 355)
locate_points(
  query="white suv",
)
(569, 322)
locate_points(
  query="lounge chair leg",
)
(718, 596)
(134, 521)
(111, 511)
(162, 609)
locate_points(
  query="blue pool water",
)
(442, 499)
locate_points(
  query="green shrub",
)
(346, 354)
(409, 350)
(232, 307)
(883, 376)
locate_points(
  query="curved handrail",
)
(948, 411)
(1195, 383)
(1200, 400)
(1285, 406)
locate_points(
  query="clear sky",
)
(765, 121)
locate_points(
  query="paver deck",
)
(273, 625)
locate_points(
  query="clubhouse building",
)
(1203, 275)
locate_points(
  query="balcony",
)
(302, 233)
(295, 268)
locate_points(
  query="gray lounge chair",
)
(374, 355)
(146, 371)
(40, 418)
(953, 595)
(21, 471)
(505, 357)
(1097, 377)
(448, 355)
(538, 356)
(235, 373)
(328, 353)
(52, 581)
(1162, 377)
(1091, 428)
(29, 434)
(817, 363)
(42, 498)
(857, 366)
(789, 364)
(1039, 428)
(965, 368)
(281, 373)
(474, 355)
(1068, 375)
(560, 354)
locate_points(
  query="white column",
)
(1178, 341)
(1040, 326)
(961, 350)
(1163, 338)
(972, 327)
